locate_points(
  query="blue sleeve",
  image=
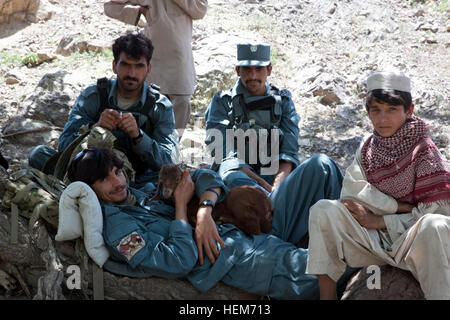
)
(207, 179)
(84, 112)
(162, 146)
(289, 127)
(174, 256)
(156, 247)
(217, 122)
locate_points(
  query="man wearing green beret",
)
(252, 135)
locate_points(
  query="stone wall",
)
(18, 10)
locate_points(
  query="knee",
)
(318, 164)
(39, 155)
(323, 212)
(321, 160)
(433, 225)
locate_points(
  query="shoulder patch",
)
(130, 245)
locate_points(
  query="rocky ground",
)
(322, 51)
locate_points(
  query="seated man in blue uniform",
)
(138, 115)
(150, 238)
(252, 135)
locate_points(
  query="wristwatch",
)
(140, 135)
(207, 203)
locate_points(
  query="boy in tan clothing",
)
(395, 200)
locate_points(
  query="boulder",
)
(395, 284)
(329, 88)
(25, 11)
(30, 132)
(52, 100)
(17, 10)
(71, 44)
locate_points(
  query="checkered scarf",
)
(407, 166)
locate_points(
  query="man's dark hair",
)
(391, 97)
(92, 164)
(135, 45)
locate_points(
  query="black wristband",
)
(140, 135)
(206, 203)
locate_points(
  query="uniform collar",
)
(112, 98)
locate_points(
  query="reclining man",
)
(138, 116)
(150, 238)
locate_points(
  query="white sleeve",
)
(356, 187)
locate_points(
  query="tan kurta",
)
(418, 241)
(169, 26)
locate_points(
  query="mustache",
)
(130, 78)
(252, 80)
(119, 188)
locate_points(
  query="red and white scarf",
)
(407, 165)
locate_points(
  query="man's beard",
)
(130, 87)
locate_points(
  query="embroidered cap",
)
(389, 81)
(249, 54)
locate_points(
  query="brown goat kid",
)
(246, 207)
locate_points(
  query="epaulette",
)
(162, 99)
(223, 93)
(285, 93)
(154, 88)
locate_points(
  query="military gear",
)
(235, 109)
(32, 194)
(95, 138)
(263, 114)
(253, 54)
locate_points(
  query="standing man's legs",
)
(181, 109)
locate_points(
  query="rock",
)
(428, 27)
(29, 132)
(44, 12)
(396, 284)
(329, 88)
(52, 100)
(429, 40)
(419, 13)
(45, 57)
(17, 10)
(11, 79)
(69, 45)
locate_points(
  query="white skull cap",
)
(389, 80)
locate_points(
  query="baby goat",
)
(246, 207)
